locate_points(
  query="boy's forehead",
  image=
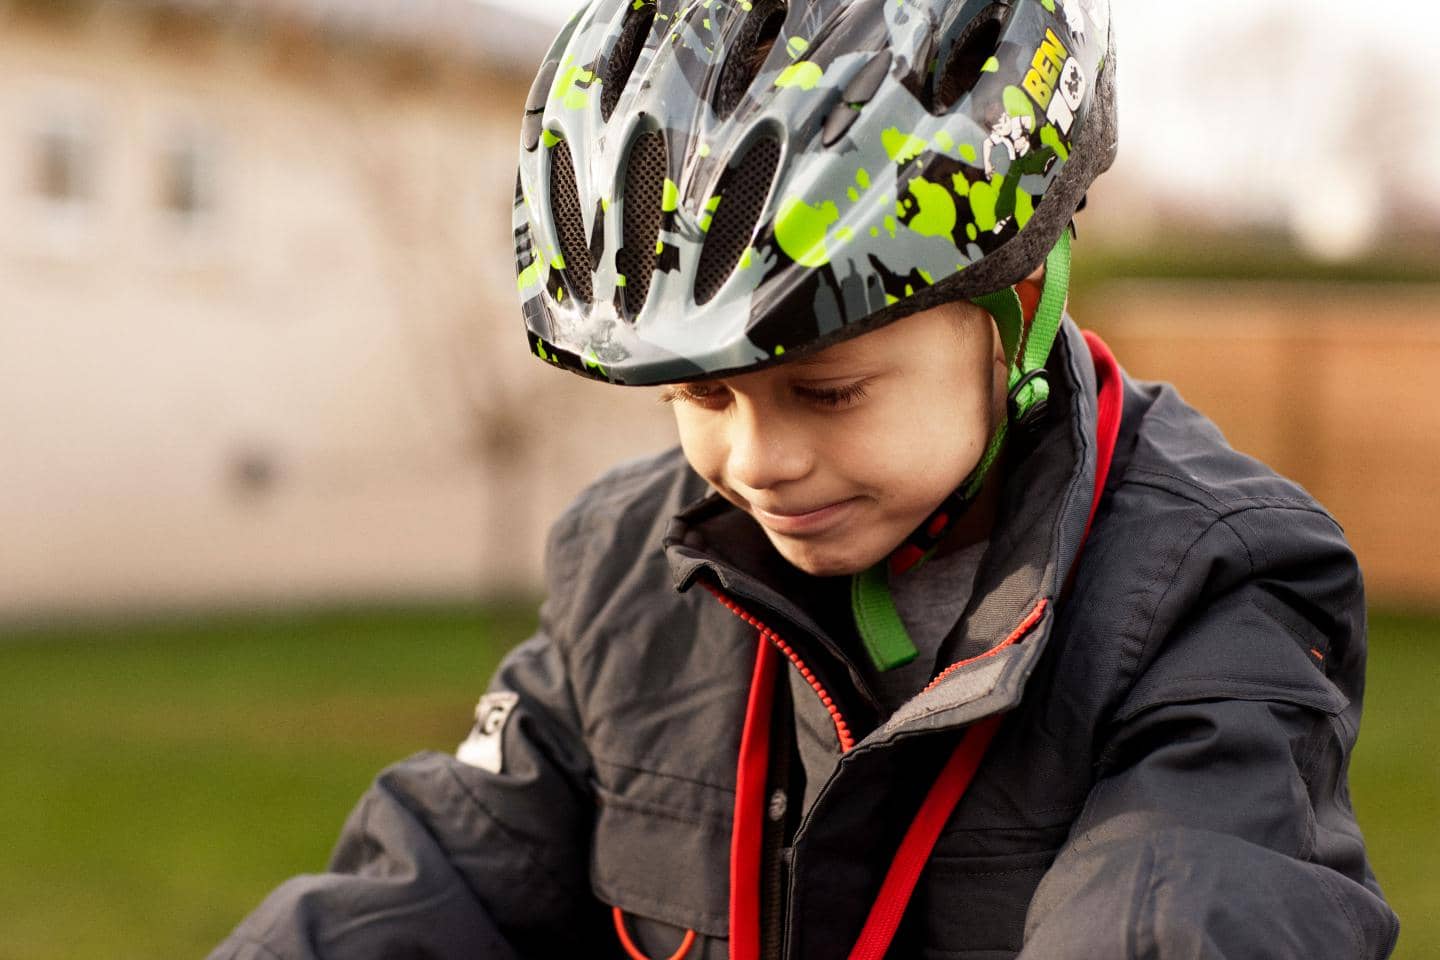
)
(825, 357)
(880, 341)
(837, 360)
(849, 350)
(838, 355)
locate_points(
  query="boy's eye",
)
(702, 394)
(842, 396)
(715, 396)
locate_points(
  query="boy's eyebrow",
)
(816, 360)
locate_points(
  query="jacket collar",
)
(1039, 527)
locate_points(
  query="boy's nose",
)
(766, 451)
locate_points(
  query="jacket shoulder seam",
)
(1132, 668)
(586, 515)
(1204, 496)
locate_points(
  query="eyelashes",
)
(836, 396)
(696, 393)
(715, 396)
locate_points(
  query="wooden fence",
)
(1334, 387)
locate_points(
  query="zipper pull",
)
(779, 804)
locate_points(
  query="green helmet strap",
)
(881, 630)
(1027, 351)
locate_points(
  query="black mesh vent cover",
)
(747, 53)
(565, 208)
(742, 193)
(640, 226)
(625, 54)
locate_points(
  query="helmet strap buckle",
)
(1028, 399)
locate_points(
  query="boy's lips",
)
(809, 521)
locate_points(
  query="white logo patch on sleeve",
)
(483, 747)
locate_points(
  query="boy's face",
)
(841, 455)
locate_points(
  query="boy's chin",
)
(822, 558)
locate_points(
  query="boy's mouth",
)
(804, 521)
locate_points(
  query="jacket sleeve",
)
(1220, 824)
(482, 860)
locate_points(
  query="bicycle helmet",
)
(706, 186)
(684, 211)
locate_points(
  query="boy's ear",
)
(1029, 291)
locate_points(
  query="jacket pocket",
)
(1244, 650)
(972, 898)
(664, 864)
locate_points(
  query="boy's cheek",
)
(698, 452)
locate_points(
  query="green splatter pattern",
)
(905, 199)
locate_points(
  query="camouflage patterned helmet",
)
(709, 185)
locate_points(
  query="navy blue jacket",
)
(1169, 780)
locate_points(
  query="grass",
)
(1395, 775)
(161, 779)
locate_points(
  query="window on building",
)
(64, 162)
(187, 183)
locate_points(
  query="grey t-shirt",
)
(930, 600)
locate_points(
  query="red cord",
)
(747, 832)
(920, 837)
(635, 952)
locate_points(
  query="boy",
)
(941, 638)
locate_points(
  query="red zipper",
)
(842, 729)
(1015, 637)
(751, 773)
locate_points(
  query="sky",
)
(1307, 113)
(1316, 115)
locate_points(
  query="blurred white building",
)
(259, 341)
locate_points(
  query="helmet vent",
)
(640, 219)
(742, 191)
(962, 63)
(625, 54)
(753, 41)
(569, 224)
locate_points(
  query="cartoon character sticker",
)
(1012, 133)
